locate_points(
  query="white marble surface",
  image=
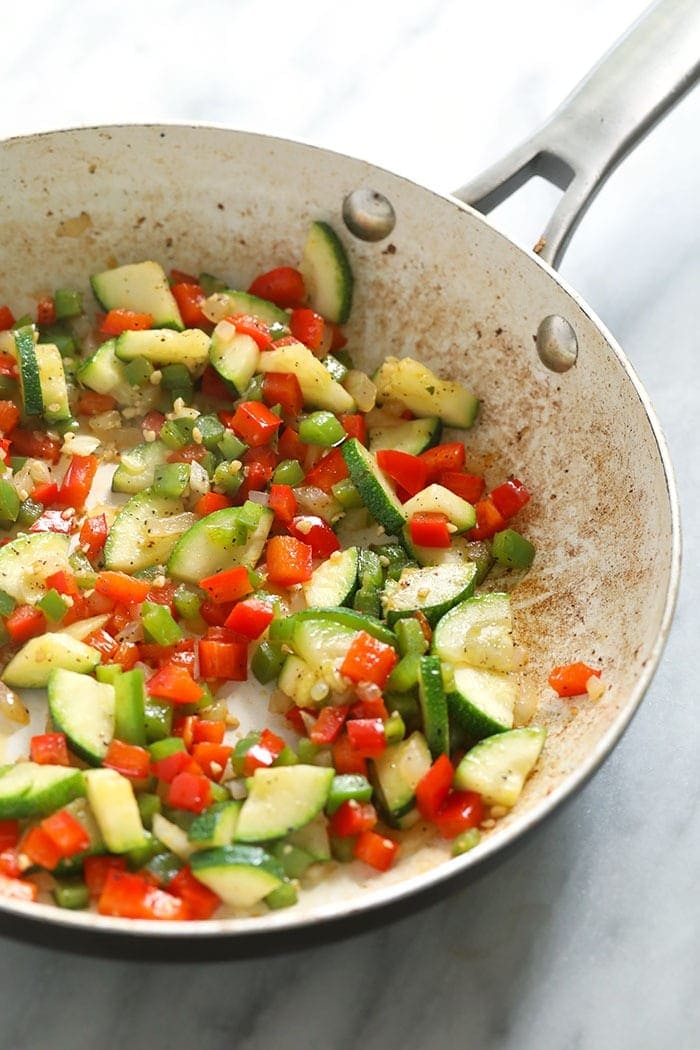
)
(589, 937)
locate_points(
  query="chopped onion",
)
(361, 389)
(80, 445)
(262, 498)
(237, 789)
(199, 480)
(133, 632)
(176, 523)
(595, 688)
(105, 421)
(216, 308)
(12, 707)
(312, 500)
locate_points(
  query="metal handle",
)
(639, 80)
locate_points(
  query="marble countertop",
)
(588, 937)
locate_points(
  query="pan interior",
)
(444, 287)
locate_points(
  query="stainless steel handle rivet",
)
(557, 344)
(368, 214)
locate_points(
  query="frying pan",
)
(562, 408)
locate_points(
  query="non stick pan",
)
(561, 405)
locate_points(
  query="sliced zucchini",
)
(29, 376)
(481, 702)
(479, 633)
(82, 629)
(241, 875)
(282, 799)
(311, 630)
(411, 435)
(420, 390)
(173, 837)
(162, 346)
(112, 800)
(460, 551)
(141, 287)
(144, 532)
(228, 302)
(334, 582)
(327, 275)
(228, 537)
(105, 374)
(234, 355)
(31, 666)
(436, 499)
(371, 483)
(395, 775)
(215, 826)
(26, 561)
(28, 789)
(433, 590)
(83, 709)
(498, 766)
(313, 838)
(137, 467)
(318, 387)
(433, 705)
(296, 679)
(52, 379)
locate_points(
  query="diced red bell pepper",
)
(213, 614)
(311, 529)
(188, 454)
(45, 493)
(9, 416)
(77, 482)
(308, 327)
(172, 765)
(228, 585)
(121, 588)
(469, 486)
(212, 758)
(489, 520)
(46, 310)
(10, 863)
(346, 759)
(250, 617)
(174, 683)
(246, 324)
(207, 731)
(189, 298)
(264, 753)
(35, 445)
(49, 749)
(289, 560)
(328, 725)
(130, 760)
(64, 582)
(93, 535)
(97, 868)
(7, 318)
(329, 470)
(443, 458)
(283, 286)
(282, 388)
(433, 787)
(254, 423)
(369, 660)
(354, 426)
(410, 472)
(66, 832)
(369, 707)
(117, 321)
(18, 889)
(41, 849)
(201, 902)
(191, 791)
(93, 404)
(9, 834)
(210, 502)
(367, 736)
(25, 622)
(462, 810)
(282, 502)
(571, 679)
(379, 851)
(338, 338)
(212, 385)
(182, 277)
(126, 655)
(227, 660)
(53, 521)
(184, 728)
(8, 365)
(132, 896)
(429, 529)
(510, 497)
(289, 446)
(105, 644)
(352, 818)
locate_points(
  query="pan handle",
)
(632, 87)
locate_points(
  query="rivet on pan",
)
(557, 344)
(368, 214)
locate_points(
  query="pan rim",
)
(268, 927)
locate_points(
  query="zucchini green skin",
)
(235, 356)
(433, 704)
(370, 482)
(52, 379)
(395, 775)
(444, 587)
(348, 619)
(412, 436)
(142, 287)
(135, 540)
(481, 702)
(31, 667)
(83, 709)
(334, 582)
(228, 302)
(425, 394)
(20, 576)
(137, 467)
(327, 273)
(498, 766)
(241, 875)
(282, 799)
(198, 553)
(31, 790)
(163, 346)
(29, 377)
(478, 632)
